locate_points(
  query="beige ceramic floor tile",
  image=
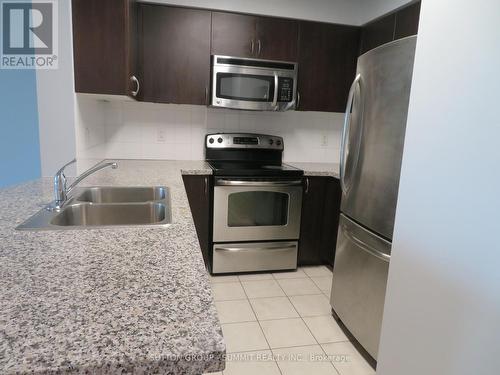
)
(223, 279)
(311, 305)
(317, 271)
(284, 333)
(262, 288)
(273, 308)
(325, 329)
(243, 337)
(289, 274)
(347, 359)
(251, 363)
(308, 360)
(324, 283)
(256, 276)
(235, 311)
(228, 291)
(297, 287)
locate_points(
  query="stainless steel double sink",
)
(100, 207)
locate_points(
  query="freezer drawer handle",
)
(363, 245)
(286, 247)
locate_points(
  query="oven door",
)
(252, 88)
(250, 210)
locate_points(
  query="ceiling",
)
(349, 12)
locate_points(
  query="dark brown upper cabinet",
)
(327, 64)
(251, 36)
(407, 21)
(277, 38)
(393, 26)
(104, 45)
(233, 34)
(377, 33)
(174, 54)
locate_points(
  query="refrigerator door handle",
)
(369, 249)
(345, 132)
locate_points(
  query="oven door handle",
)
(271, 247)
(258, 183)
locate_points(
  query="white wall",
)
(55, 90)
(349, 12)
(442, 313)
(133, 130)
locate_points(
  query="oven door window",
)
(257, 208)
(254, 88)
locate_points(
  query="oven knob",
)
(219, 140)
(271, 142)
(211, 140)
(278, 143)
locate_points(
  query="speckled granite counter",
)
(318, 169)
(105, 301)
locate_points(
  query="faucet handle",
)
(61, 170)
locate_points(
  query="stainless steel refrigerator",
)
(371, 153)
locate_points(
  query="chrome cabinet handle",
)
(206, 185)
(252, 46)
(275, 98)
(298, 99)
(138, 86)
(345, 133)
(259, 47)
(307, 185)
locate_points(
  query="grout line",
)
(260, 326)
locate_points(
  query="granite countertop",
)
(318, 169)
(114, 300)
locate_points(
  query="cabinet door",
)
(311, 221)
(233, 34)
(327, 65)
(320, 218)
(103, 45)
(330, 224)
(277, 39)
(174, 54)
(377, 33)
(407, 21)
(198, 192)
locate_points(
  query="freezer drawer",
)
(359, 282)
(255, 256)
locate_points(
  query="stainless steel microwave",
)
(253, 84)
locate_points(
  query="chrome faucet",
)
(61, 192)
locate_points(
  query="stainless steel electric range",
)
(257, 203)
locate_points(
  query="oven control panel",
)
(241, 140)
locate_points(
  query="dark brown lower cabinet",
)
(320, 219)
(198, 190)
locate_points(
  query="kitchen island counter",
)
(106, 301)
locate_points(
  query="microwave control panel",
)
(285, 89)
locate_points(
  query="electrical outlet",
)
(324, 140)
(160, 135)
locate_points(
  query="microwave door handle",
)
(275, 98)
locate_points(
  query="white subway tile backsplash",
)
(135, 130)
